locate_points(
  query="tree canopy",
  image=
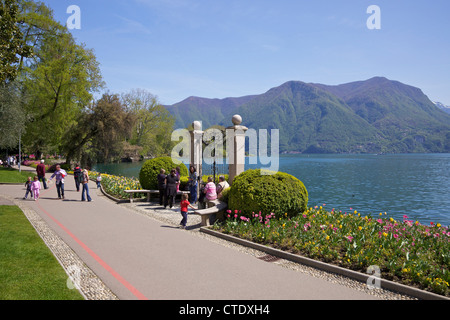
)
(50, 95)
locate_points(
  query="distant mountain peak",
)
(374, 115)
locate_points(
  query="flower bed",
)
(405, 251)
(116, 185)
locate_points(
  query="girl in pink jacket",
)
(35, 187)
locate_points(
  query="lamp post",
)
(20, 150)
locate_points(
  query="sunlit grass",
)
(28, 269)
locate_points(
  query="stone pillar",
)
(196, 147)
(235, 136)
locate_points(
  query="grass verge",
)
(9, 175)
(28, 269)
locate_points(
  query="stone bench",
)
(214, 207)
(149, 192)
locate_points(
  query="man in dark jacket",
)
(40, 169)
(162, 186)
(76, 175)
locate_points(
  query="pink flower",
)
(349, 238)
(395, 235)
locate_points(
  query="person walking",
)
(162, 186)
(171, 188)
(28, 186)
(40, 170)
(184, 210)
(59, 181)
(85, 189)
(99, 180)
(76, 175)
(193, 183)
(35, 187)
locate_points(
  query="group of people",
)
(33, 186)
(169, 185)
(9, 161)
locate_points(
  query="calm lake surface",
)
(416, 185)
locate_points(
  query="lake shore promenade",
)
(133, 251)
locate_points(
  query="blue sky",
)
(231, 48)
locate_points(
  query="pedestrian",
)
(40, 170)
(35, 187)
(99, 180)
(184, 210)
(84, 182)
(210, 195)
(223, 184)
(201, 196)
(162, 186)
(28, 186)
(193, 183)
(59, 181)
(178, 174)
(76, 175)
(171, 188)
(210, 190)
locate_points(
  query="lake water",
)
(416, 185)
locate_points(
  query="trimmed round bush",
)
(151, 168)
(279, 193)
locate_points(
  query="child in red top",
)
(184, 209)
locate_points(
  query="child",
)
(99, 180)
(28, 186)
(35, 187)
(184, 209)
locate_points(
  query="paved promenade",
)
(136, 251)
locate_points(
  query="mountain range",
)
(441, 106)
(377, 115)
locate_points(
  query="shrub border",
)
(385, 284)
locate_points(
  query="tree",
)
(111, 125)
(60, 80)
(12, 116)
(13, 48)
(153, 123)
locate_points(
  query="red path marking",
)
(132, 289)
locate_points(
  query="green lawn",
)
(28, 269)
(8, 175)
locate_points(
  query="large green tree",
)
(153, 124)
(111, 127)
(13, 48)
(61, 81)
